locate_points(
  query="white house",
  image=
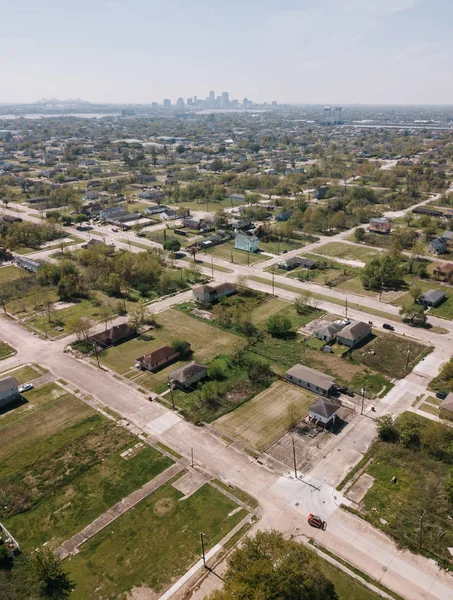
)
(249, 243)
(9, 390)
(311, 379)
(322, 412)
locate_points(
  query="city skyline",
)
(346, 52)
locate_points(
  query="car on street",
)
(114, 229)
(315, 521)
(441, 395)
(25, 387)
(388, 326)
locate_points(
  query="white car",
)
(25, 387)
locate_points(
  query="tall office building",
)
(224, 100)
(180, 103)
(167, 103)
(212, 97)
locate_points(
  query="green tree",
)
(279, 325)
(414, 314)
(269, 567)
(54, 582)
(359, 234)
(172, 245)
(386, 429)
(409, 427)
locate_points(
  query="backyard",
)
(11, 273)
(264, 419)
(228, 253)
(347, 251)
(152, 545)
(275, 306)
(6, 350)
(60, 466)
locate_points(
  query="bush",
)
(216, 371)
(409, 427)
(386, 429)
(279, 325)
(120, 308)
(180, 346)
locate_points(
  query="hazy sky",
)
(308, 51)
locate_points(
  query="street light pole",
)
(170, 386)
(294, 457)
(273, 290)
(202, 548)
(420, 530)
(363, 400)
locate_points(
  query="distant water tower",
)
(338, 114)
(327, 114)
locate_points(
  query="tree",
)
(386, 428)
(415, 314)
(359, 234)
(409, 427)
(81, 327)
(294, 415)
(54, 582)
(415, 291)
(279, 325)
(181, 346)
(303, 302)
(137, 317)
(268, 566)
(113, 286)
(172, 245)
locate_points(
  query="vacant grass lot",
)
(153, 544)
(355, 286)
(22, 374)
(275, 306)
(10, 273)
(392, 355)
(6, 350)
(346, 587)
(348, 251)
(228, 252)
(400, 504)
(263, 420)
(206, 341)
(407, 299)
(60, 466)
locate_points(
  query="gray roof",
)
(329, 328)
(323, 408)
(7, 384)
(355, 329)
(447, 235)
(320, 380)
(447, 404)
(186, 372)
(432, 296)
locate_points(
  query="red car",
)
(316, 521)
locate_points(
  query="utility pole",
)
(44, 323)
(212, 267)
(346, 305)
(294, 457)
(408, 355)
(420, 530)
(191, 457)
(170, 387)
(202, 548)
(273, 289)
(95, 346)
(363, 399)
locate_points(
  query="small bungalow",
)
(431, 298)
(248, 243)
(207, 294)
(284, 216)
(322, 412)
(446, 405)
(380, 225)
(158, 359)
(186, 376)
(354, 333)
(328, 332)
(237, 198)
(27, 263)
(9, 390)
(438, 245)
(113, 336)
(295, 262)
(321, 192)
(444, 270)
(311, 379)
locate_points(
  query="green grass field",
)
(206, 342)
(347, 251)
(22, 374)
(346, 587)
(60, 466)
(152, 545)
(263, 420)
(6, 350)
(228, 253)
(10, 273)
(275, 306)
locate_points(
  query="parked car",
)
(388, 326)
(115, 229)
(342, 389)
(316, 521)
(25, 387)
(441, 395)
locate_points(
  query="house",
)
(171, 215)
(311, 380)
(353, 334)
(112, 336)
(192, 223)
(431, 298)
(187, 375)
(92, 209)
(447, 235)
(111, 212)
(284, 216)
(438, 245)
(422, 210)
(322, 412)
(446, 404)
(9, 390)
(11, 219)
(154, 210)
(27, 263)
(207, 294)
(444, 270)
(380, 225)
(249, 243)
(94, 242)
(158, 359)
(320, 192)
(328, 332)
(237, 198)
(296, 261)
(241, 224)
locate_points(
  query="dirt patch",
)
(238, 393)
(357, 492)
(392, 295)
(142, 593)
(316, 323)
(338, 366)
(164, 506)
(62, 305)
(203, 314)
